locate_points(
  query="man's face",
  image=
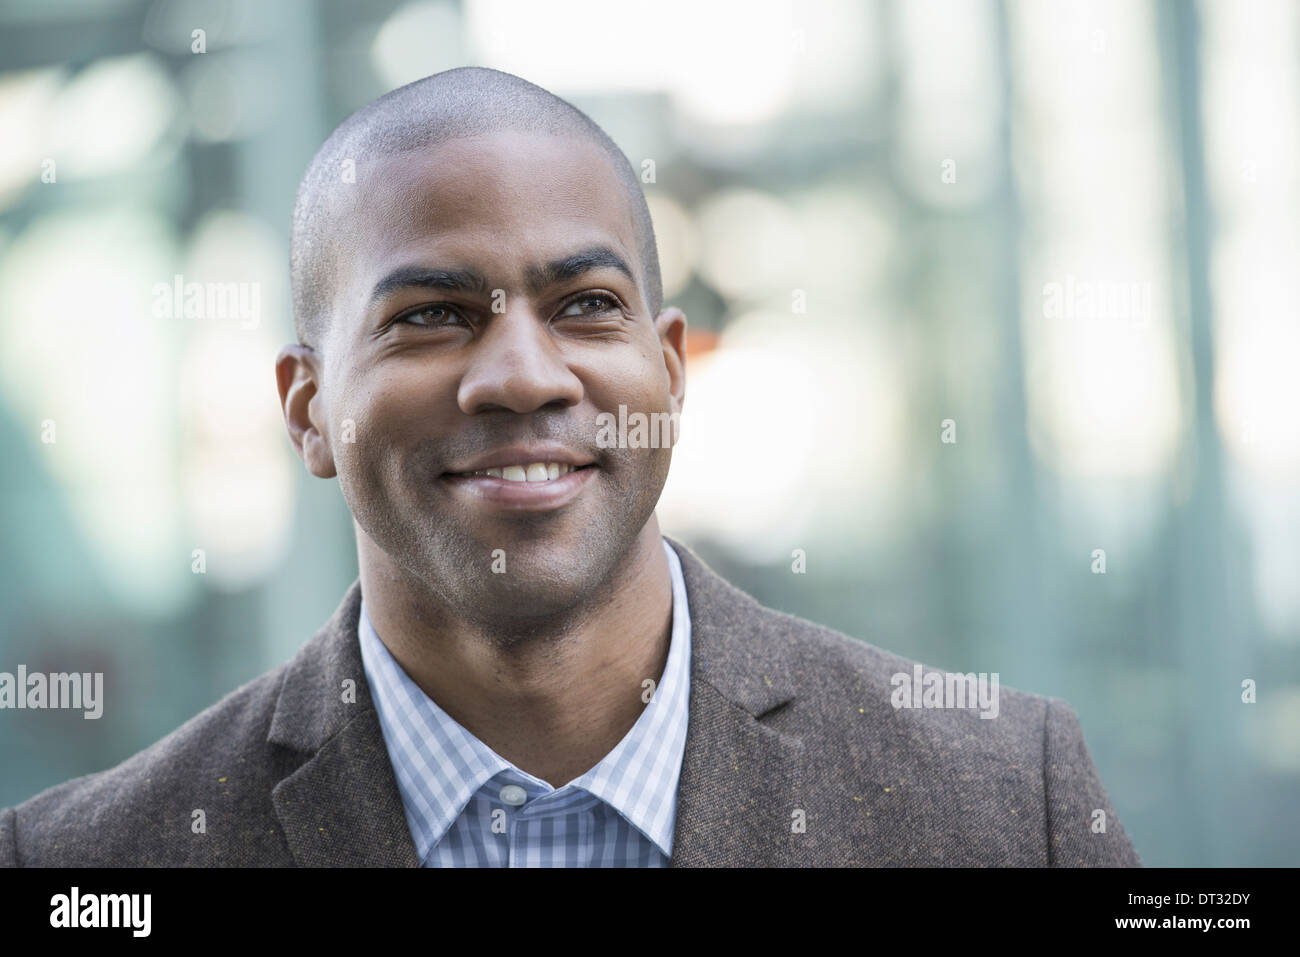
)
(490, 308)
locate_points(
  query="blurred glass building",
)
(993, 316)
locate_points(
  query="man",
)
(527, 672)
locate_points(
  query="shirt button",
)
(513, 795)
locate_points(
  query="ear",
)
(298, 376)
(671, 327)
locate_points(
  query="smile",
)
(535, 472)
(539, 486)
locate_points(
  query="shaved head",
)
(454, 104)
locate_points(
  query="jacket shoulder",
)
(841, 682)
(144, 811)
(958, 768)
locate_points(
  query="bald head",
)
(464, 102)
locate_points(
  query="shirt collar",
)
(439, 765)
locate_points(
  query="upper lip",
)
(522, 455)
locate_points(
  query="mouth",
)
(533, 472)
(537, 486)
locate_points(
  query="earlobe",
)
(297, 373)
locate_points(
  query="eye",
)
(589, 304)
(433, 316)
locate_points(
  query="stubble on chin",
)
(524, 588)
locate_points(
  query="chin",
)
(520, 579)
(526, 601)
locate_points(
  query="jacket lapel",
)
(740, 798)
(342, 807)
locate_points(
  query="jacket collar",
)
(740, 783)
(342, 807)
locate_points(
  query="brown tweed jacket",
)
(795, 756)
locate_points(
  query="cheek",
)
(376, 431)
(637, 381)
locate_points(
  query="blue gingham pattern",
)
(619, 814)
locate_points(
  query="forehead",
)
(496, 202)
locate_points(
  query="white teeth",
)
(534, 472)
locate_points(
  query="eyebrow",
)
(538, 277)
(570, 267)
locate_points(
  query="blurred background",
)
(1013, 284)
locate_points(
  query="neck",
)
(553, 705)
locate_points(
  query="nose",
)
(517, 365)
